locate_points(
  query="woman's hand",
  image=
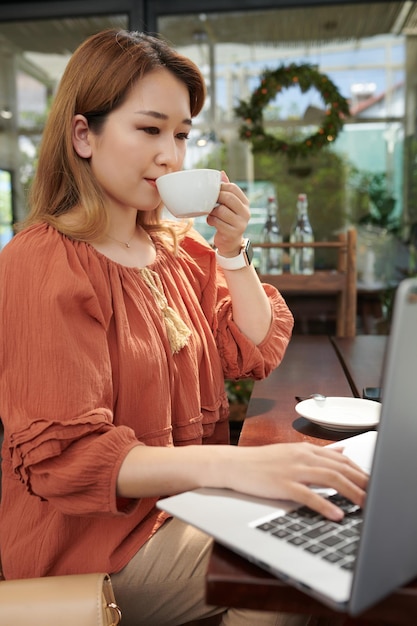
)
(288, 470)
(251, 307)
(280, 471)
(230, 218)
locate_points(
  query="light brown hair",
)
(97, 79)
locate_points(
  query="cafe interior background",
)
(365, 54)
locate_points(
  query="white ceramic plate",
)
(341, 413)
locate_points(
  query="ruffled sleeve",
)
(55, 367)
(240, 357)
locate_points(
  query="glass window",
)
(33, 55)
(362, 59)
(6, 207)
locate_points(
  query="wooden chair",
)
(305, 294)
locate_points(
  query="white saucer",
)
(341, 413)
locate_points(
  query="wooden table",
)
(312, 364)
(361, 359)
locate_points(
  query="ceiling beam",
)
(148, 10)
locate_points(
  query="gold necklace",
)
(122, 243)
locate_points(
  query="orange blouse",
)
(87, 372)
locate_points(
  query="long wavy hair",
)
(97, 79)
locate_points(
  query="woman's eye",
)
(154, 130)
(151, 130)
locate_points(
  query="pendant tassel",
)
(177, 331)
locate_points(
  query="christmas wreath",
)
(272, 83)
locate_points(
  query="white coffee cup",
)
(190, 193)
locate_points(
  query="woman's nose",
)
(168, 154)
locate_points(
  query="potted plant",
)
(373, 209)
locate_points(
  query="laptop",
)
(379, 552)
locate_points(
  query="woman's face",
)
(141, 140)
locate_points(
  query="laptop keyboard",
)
(335, 542)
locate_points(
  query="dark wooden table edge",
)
(398, 609)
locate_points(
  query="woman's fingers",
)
(230, 217)
(306, 496)
(290, 471)
(335, 459)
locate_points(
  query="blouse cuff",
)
(240, 356)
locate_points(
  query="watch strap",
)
(235, 262)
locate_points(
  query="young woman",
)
(118, 330)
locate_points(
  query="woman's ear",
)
(80, 136)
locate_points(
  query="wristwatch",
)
(243, 259)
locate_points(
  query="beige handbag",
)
(76, 600)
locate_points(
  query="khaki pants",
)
(164, 584)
